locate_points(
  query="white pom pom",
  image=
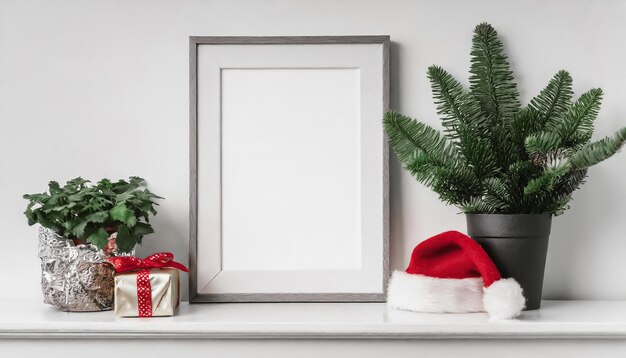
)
(504, 299)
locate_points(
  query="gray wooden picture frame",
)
(194, 295)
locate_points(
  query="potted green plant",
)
(81, 225)
(508, 168)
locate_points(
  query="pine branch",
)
(562, 194)
(422, 167)
(572, 182)
(477, 205)
(407, 135)
(556, 201)
(497, 194)
(447, 93)
(456, 107)
(542, 143)
(430, 157)
(547, 180)
(474, 119)
(478, 153)
(454, 185)
(527, 122)
(517, 177)
(461, 116)
(555, 99)
(593, 153)
(491, 79)
(576, 126)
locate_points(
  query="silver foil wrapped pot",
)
(74, 277)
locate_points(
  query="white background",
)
(100, 89)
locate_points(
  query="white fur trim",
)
(504, 299)
(437, 295)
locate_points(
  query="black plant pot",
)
(518, 245)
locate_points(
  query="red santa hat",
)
(452, 273)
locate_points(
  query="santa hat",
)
(451, 273)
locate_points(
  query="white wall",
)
(100, 89)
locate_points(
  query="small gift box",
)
(148, 287)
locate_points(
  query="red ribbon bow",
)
(132, 263)
(144, 290)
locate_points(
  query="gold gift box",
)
(165, 292)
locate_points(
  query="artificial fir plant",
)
(495, 156)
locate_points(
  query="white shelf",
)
(556, 320)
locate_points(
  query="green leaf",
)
(138, 181)
(98, 217)
(36, 198)
(104, 183)
(99, 238)
(141, 229)
(124, 196)
(64, 208)
(121, 213)
(68, 225)
(80, 196)
(79, 229)
(122, 186)
(32, 220)
(53, 200)
(53, 187)
(125, 240)
(98, 203)
(77, 182)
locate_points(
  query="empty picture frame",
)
(289, 189)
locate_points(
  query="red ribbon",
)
(132, 263)
(144, 290)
